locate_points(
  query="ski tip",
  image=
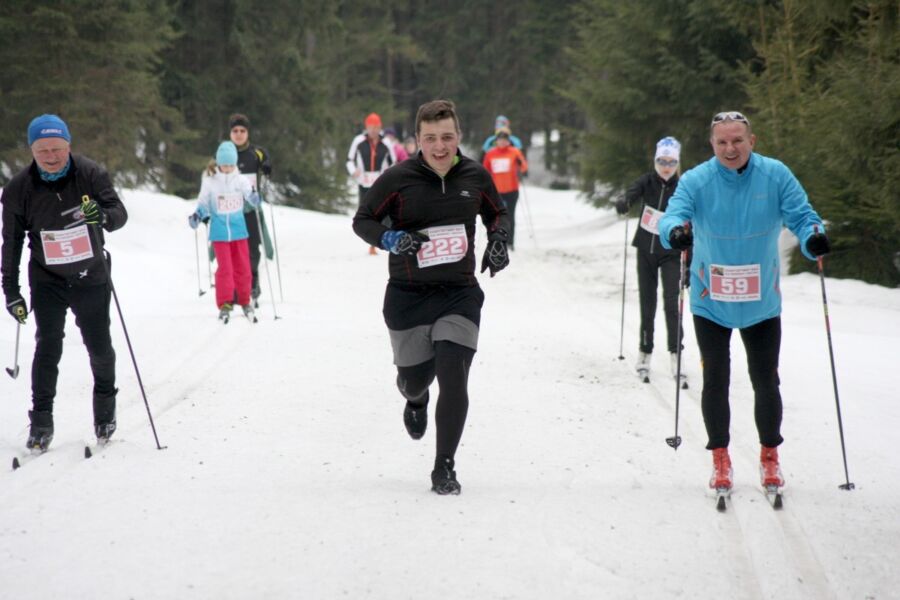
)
(778, 503)
(720, 503)
(645, 379)
(684, 385)
(87, 452)
(16, 463)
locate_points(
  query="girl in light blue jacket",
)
(221, 200)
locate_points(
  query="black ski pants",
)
(762, 343)
(450, 365)
(511, 199)
(254, 242)
(90, 305)
(649, 267)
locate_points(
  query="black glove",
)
(818, 245)
(266, 168)
(403, 242)
(622, 207)
(496, 257)
(91, 211)
(17, 308)
(681, 238)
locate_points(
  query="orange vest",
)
(504, 165)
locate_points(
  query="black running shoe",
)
(41, 432)
(443, 478)
(415, 417)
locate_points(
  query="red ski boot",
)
(722, 472)
(769, 470)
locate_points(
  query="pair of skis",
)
(772, 492)
(89, 450)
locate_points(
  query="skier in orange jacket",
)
(504, 162)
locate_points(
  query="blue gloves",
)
(17, 308)
(402, 242)
(194, 221)
(496, 256)
(254, 200)
(91, 211)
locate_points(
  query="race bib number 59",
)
(447, 244)
(739, 283)
(67, 246)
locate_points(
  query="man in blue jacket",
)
(731, 209)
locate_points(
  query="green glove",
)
(91, 211)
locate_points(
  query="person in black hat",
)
(254, 164)
(61, 202)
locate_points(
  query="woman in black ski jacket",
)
(653, 190)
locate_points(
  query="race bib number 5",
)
(738, 283)
(650, 219)
(447, 244)
(67, 246)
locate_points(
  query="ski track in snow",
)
(287, 471)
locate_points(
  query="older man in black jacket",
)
(61, 201)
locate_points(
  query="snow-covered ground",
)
(287, 472)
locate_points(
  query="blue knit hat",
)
(47, 126)
(226, 154)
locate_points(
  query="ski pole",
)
(14, 371)
(275, 243)
(624, 274)
(528, 216)
(837, 402)
(675, 440)
(266, 261)
(96, 236)
(208, 260)
(197, 249)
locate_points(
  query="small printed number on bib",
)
(230, 202)
(650, 219)
(447, 244)
(67, 246)
(501, 165)
(736, 283)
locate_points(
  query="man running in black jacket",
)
(432, 305)
(61, 201)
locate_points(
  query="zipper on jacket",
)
(443, 187)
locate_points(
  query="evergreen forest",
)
(146, 87)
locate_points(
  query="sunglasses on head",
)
(732, 115)
(666, 162)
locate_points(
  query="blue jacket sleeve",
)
(796, 211)
(679, 211)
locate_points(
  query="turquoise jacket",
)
(222, 198)
(736, 219)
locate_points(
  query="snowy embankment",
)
(287, 472)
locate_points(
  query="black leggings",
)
(450, 365)
(253, 242)
(511, 199)
(762, 343)
(90, 304)
(649, 266)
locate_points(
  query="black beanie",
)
(238, 119)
